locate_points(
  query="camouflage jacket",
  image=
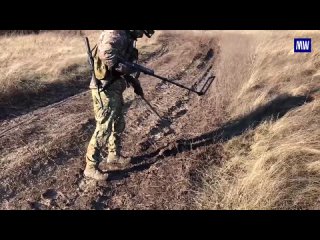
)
(113, 44)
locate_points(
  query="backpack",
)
(100, 69)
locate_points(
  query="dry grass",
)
(37, 68)
(276, 70)
(235, 61)
(275, 165)
(272, 165)
(30, 64)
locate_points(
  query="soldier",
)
(112, 46)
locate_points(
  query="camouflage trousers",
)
(110, 122)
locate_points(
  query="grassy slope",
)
(275, 163)
(36, 69)
(261, 88)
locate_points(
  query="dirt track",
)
(42, 152)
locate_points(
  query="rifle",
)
(91, 63)
(138, 68)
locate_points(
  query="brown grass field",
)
(252, 142)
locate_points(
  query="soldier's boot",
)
(116, 161)
(92, 171)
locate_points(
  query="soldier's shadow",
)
(275, 109)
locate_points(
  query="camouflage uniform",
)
(108, 104)
(108, 107)
(110, 121)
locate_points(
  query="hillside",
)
(252, 142)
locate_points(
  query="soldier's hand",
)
(124, 69)
(135, 83)
(138, 90)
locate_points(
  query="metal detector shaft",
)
(177, 84)
(150, 72)
(146, 101)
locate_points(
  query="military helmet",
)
(148, 33)
(136, 33)
(139, 33)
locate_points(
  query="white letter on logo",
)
(299, 45)
(306, 45)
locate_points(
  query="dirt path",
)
(42, 152)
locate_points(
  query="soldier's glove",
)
(138, 89)
(135, 83)
(124, 69)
